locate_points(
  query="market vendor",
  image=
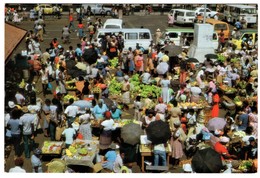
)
(221, 148)
(116, 113)
(106, 132)
(99, 109)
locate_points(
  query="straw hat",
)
(158, 30)
(25, 109)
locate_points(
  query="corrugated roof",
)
(13, 36)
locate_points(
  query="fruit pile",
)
(237, 101)
(115, 87)
(67, 97)
(77, 150)
(245, 165)
(51, 147)
(113, 62)
(227, 89)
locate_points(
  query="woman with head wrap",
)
(100, 109)
(85, 128)
(126, 90)
(178, 137)
(161, 109)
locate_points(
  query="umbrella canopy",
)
(81, 66)
(174, 50)
(82, 104)
(216, 123)
(162, 68)
(192, 60)
(158, 132)
(206, 161)
(90, 56)
(131, 133)
(211, 56)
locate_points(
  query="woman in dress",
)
(175, 113)
(62, 80)
(178, 137)
(100, 109)
(126, 90)
(165, 83)
(139, 63)
(215, 108)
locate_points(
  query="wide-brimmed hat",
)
(11, 104)
(224, 139)
(126, 77)
(158, 30)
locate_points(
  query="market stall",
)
(52, 149)
(82, 152)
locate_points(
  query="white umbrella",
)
(81, 66)
(162, 68)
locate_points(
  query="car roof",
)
(114, 21)
(183, 10)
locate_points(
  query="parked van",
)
(113, 23)
(183, 16)
(132, 36)
(184, 37)
(218, 25)
(245, 35)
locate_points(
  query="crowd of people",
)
(88, 63)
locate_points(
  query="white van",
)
(132, 36)
(113, 23)
(183, 37)
(183, 16)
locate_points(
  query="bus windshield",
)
(248, 11)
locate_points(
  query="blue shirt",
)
(117, 114)
(14, 125)
(244, 119)
(78, 52)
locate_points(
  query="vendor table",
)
(83, 160)
(147, 150)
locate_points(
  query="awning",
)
(13, 36)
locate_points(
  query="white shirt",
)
(26, 120)
(159, 147)
(69, 133)
(108, 124)
(19, 97)
(17, 169)
(71, 111)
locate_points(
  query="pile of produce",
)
(190, 105)
(113, 62)
(115, 87)
(228, 89)
(245, 165)
(237, 101)
(70, 85)
(142, 89)
(51, 147)
(77, 150)
(67, 97)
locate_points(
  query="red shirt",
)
(221, 149)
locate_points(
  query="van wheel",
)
(108, 13)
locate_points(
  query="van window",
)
(131, 36)
(173, 35)
(190, 14)
(180, 13)
(220, 26)
(112, 26)
(144, 35)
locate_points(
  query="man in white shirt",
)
(71, 111)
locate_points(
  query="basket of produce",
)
(245, 165)
(51, 147)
